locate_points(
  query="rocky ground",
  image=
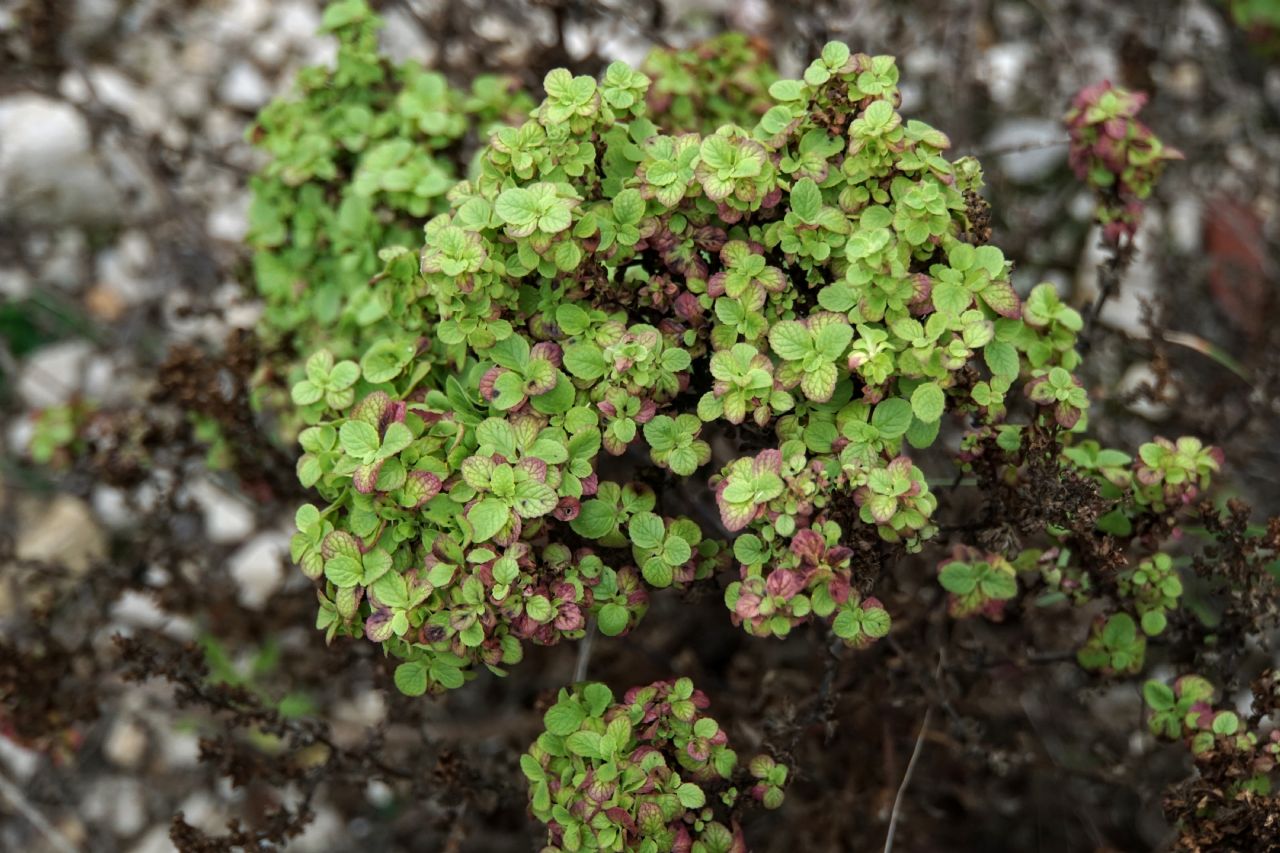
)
(123, 204)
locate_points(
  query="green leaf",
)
(1159, 696)
(1154, 622)
(564, 717)
(961, 257)
(676, 551)
(928, 402)
(584, 743)
(1001, 359)
(832, 338)
(517, 206)
(344, 571)
(787, 90)
(628, 207)
(538, 608)
(532, 769)
(487, 517)
(646, 531)
(572, 320)
(691, 796)
(598, 697)
(921, 434)
(1120, 631)
(585, 361)
(411, 678)
(386, 360)
(305, 393)
(958, 578)
(806, 200)
(595, 519)
(892, 417)
(359, 440)
(790, 340)
(613, 619)
(657, 573)
(1225, 723)
(999, 585)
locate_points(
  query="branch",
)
(906, 780)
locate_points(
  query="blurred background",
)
(127, 309)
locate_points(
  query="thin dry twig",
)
(584, 653)
(906, 779)
(14, 795)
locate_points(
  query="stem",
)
(584, 652)
(906, 780)
(14, 794)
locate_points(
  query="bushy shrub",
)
(602, 296)
(723, 80)
(360, 155)
(1116, 154)
(618, 324)
(648, 773)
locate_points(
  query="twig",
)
(1020, 147)
(1110, 273)
(584, 653)
(14, 794)
(906, 780)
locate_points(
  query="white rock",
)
(66, 260)
(188, 96)
(297, 22)
(155, 841)
(379, 793)
(48, 174)
(244, 16)
(244, 87)
(92, 19)
(226, 519)
(1124, 310)
(404, 40)
(324, 833)
(63, 531)
(1044, 143)
(52, 374)
(1003, 68)
(203, 812)
(126, 743)
(269, 50)
(1186, 223)
(258, 568)
(18, 434)
(1136, 376)
(115, 90)
(123, 270)
(229, 221)
(136, 609)
(117, 802)
(14, 283)
(111, 507)
(178, 749)
(22, 763)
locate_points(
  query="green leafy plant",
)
(360, 154)
(649, 773)
(1116, 154)
(601, 281)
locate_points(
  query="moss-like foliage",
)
(360, 155)
(629, 359)
(650, 773)
(1116, 154)
(723, 80)
(807, 288)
